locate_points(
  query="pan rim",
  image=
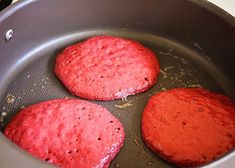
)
(224, 15)
(8, 11)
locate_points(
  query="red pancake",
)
(189, 127)
(68, 133)
(107, 68)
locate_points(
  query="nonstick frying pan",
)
(194, 41)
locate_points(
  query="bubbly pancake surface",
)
(68, 133)
(107, 68)
(189, 126)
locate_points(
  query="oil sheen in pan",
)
(33, 81)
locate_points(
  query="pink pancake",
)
(68, 133)
(189, 127)
(107, 68)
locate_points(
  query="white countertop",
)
(227, 5)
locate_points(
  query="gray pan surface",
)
(186, 60)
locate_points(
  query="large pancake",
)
(67, 132)
(107, 68)
(189, 127)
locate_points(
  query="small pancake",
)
(107, 68)
(68, 133)
(189, 127)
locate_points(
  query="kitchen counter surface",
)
(227, 5)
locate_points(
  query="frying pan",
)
(194, 41)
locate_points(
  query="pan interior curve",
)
(33, 81)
